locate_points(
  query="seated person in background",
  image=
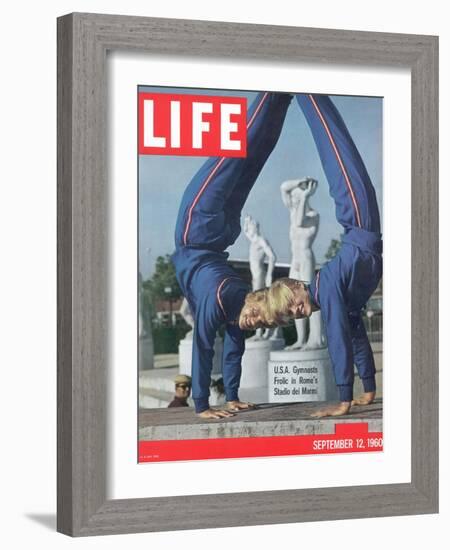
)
(182, 391)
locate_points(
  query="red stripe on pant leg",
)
(339, 159)
(197, 198)
(219, 298)
(208, 179)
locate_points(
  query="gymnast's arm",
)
(335, 317)
(207, 322)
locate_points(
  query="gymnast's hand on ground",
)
(215, 414)
(239, 406)
(365, 398)
(333, 410)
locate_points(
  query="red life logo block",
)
(192, 125)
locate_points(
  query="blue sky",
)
(162, 180)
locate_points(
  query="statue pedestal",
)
(254, 363)
(277, 343)
(185, 356)
(253, 386)
(146, 353)
(299, 375)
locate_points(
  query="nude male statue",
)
(304, 225)
(185, 312)
(260, 249)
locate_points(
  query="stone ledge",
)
(267, 420)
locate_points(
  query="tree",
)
(147, 307)
(164, 279)
(333, 248)
(162, 285)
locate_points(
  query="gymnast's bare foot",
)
(365, 398)
(215, 414)
(239, 406)
(333, 410)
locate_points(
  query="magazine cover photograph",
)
(260, 274)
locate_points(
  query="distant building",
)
(165, 309)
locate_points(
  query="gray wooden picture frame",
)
(83, 41)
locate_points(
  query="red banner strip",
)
(348, 438)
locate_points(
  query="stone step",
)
(154, 399)
(158, 380)
(161, 380)
(150, 398)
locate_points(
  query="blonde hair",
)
(280, 298)
(258, 299)
(257, 295)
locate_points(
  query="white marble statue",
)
(185, 312)
(259, 251)
(146, 348)
(304, 225)
(141, 322)
(142, 331)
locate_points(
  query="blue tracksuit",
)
(209, 222)
(343, 286)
